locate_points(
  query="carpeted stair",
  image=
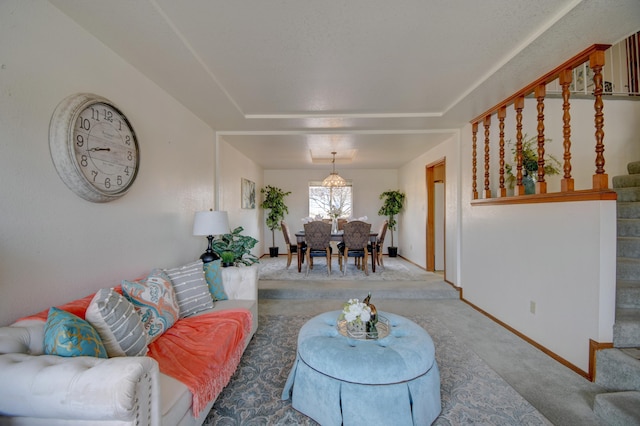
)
(618, 369)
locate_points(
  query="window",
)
(324, 201)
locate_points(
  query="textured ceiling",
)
(383, 81)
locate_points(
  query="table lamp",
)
(210, 223)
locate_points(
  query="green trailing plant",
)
(274, 201)
(530, 161)
(392, 205)
(238, 244)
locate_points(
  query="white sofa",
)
(37, 389)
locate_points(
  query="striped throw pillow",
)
(191, 288)
(118, 324)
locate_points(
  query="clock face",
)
(93, 147)
(105, 148)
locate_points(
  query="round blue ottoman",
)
(338, 380)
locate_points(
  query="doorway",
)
(436, 213)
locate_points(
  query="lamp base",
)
(209, 257)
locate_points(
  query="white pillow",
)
(118, 324)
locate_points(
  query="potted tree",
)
(274, 201)
(392, 205)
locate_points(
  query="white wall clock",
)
(93, 147)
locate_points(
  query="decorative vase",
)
(334, 225)
(529, 183)
(356, 328)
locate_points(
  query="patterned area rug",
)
(395, 269)
(471, 392)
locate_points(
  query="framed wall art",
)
(248, 192)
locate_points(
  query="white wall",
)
(232, 167)
(413, 221)
(367, 187)
(55, 246)
(561, 256)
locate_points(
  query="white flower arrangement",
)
(355, 312)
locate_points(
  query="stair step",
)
(628, 194)
(618, 408)
(626, 181)
(629, 247)
(627, 268)
(617, 371)
(626, 329)
(628, 294)
(633, 167)
(628, 210)
(632, 352)
(629, 227)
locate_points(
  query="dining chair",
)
(356, 239)
(291, 248)
(380, 243)
(317, 235)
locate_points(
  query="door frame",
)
(435, 172)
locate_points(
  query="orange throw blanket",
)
(203, 352)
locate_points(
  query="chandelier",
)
(334, 180)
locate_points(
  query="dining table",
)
(338, 236)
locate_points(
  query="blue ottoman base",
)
(336, 380)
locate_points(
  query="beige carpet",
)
(395, 269)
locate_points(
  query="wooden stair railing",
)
(563, 73)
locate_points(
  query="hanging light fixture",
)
(334, 180)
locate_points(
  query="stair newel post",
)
(518, 105)
(596, 62)
(565, 78)
(540, 93)
(502, 113)
(487, 124)
(475, 160)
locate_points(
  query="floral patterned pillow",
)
(155, 301)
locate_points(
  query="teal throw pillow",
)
(213, 275)
(68, 335)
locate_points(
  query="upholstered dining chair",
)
(356, 239)
(291, 247)
(317, 235)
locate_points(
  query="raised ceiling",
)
(382, 80)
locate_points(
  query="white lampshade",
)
(211, 223)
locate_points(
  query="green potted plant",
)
(228, 258)
(274, 201)
(391, 206)
(530, 164)
(238, 244)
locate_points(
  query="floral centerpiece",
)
(360, 318)
(356, 313)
